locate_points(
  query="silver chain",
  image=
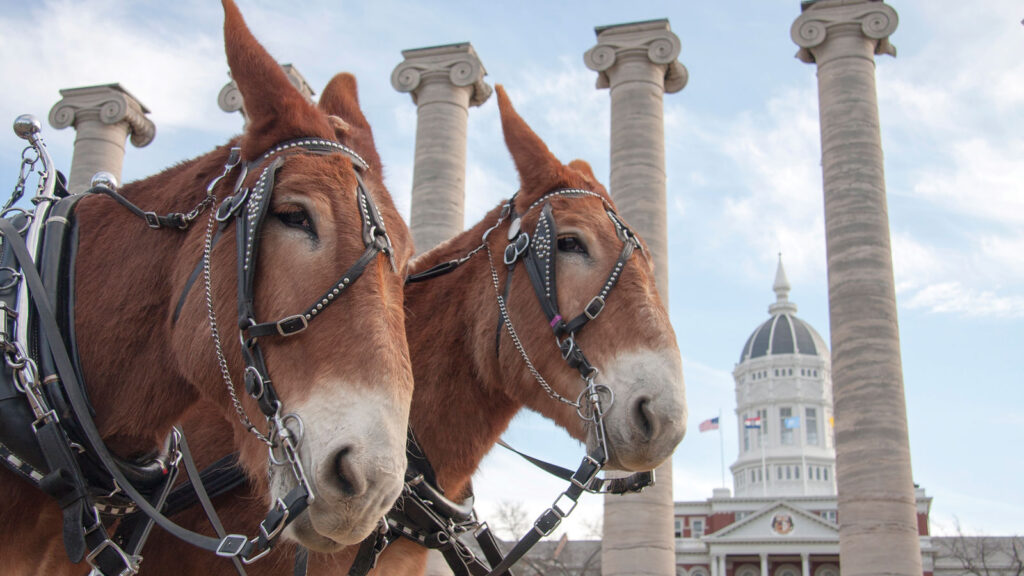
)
(515, 336)
(29, 157)
(194, 213)
(215, 333)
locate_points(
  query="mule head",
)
(346, 374)
(630, 340)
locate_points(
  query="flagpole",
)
(764, 469)
(721, 444)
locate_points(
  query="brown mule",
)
(348, 377)
(467, 391)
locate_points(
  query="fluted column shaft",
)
(443, 81)
(638, 63)
(877, 514)
(103, 117)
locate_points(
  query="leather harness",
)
(47, 433)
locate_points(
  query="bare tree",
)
(562, 558)
(985, 555)
(511, 519)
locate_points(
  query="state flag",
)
(752, 422)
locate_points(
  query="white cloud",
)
(176, 73)
(954, 297)
(561, 105)
(778, 206)
(984, 180)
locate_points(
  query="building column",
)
(444, 81)
(103, 118)
(714, 566)
(805, 564)
(877, 514)
(637, 62)
(230, 97)
(764, 564)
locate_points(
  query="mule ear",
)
(583, 167)
(341, 98)
(341, 127)
(536, 165)
(340, 101)
(275, 109)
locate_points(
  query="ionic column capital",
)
(652, 40)
(109, 104)
(872, 18)
(230, 97)
(456, 64)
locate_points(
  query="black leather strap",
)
(78, 402)
(153, 220)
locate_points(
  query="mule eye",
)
(571, 244)
(296, 217)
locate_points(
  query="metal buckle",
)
(292, 325)
(516, 248)
(274, 532)
(558, 509)
(231, 545)
(584, 482)
(46, 418)
(596, 302)
(262, 553)
(152, 220)
(131, 563)
(547, 522)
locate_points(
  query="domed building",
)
(779, 518)
(784, 406)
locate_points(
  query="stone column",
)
(230, 97)
(444, 81)
(714, 566)
(638, 63)
(764, 564)
(877, 514)
(805, 564)
(103, 117)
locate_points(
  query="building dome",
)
(783, 333)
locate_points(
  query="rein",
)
(54, 428)
(422, 513)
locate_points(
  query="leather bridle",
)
(246, 207)
(423, 514)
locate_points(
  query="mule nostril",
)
(644, 418)
(350, 480)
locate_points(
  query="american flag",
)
(711, 424)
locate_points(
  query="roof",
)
(783, 333)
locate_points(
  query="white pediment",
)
(777, 522)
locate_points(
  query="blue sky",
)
(744, 182)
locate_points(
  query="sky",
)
(744, 184)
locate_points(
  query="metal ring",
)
(11, 282)
(256, 377)
(583, 402)
(302, 429)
